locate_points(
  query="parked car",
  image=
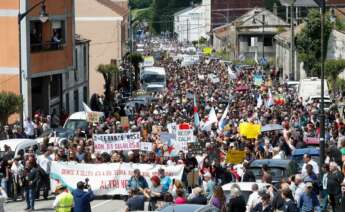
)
(245, 187)
(190, 208)
(56, 135)
(278, 169)
(297, 155)
(18, 146)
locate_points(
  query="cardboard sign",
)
(172, 127)
(235, 156)
(185, 136)
(124, 121)
(166, 137)
(146, 146)
(258, 80)
(93, 117)
(156, 129)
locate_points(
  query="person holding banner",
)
(137, 181)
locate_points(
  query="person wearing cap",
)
(82, 196)
(308, 201)
(64, 199)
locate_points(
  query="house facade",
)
(76, 82)
(47, 52)
(192, 23)
(105, 23)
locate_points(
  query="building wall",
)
(192, 25)
(336, 47)
(103, 27)
(255, 51)
(77, 80)
(231, 10)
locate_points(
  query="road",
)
(105, 205)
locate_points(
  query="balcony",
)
(46, 46)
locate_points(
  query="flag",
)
(232, 74)
(259, 101)
(86, 108)
(221, 123)
(196, 114)
(212, 118)
(269, 102)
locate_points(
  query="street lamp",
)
(43, 18)
(263, 34)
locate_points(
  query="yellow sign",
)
(93, 117)
(207, 51)
(235, 156)
(250, 130)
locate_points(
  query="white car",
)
(17, 146)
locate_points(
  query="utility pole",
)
(131, 49)
(263, 37)
(187, 30)
(322, 115)
(292, 43)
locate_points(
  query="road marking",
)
(101, 203)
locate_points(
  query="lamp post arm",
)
(23, 15)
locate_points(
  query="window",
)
(35, 35)
(85, 60)
(67, 76)
(268, 41)
(85, 99)
(58, 31)
(76, 100)
(55, 86)
(252, 41)
(67, 102)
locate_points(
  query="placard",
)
(235, 156)
(117, 142)
(146, 146)
(185, 136)
(93, 117)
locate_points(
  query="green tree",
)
(10, 103)
(308, 42)
(108, 71)
(135, 59)
(139, 4)
(332, 70)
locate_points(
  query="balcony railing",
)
(46, 46)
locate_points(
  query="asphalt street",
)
(105, 205)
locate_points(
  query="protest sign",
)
(106, 178)
(166, 137)
(93, 117)
(146, 146)
(176, 147)
(172, 127)
(124, 121)
(185, 136)
(118, 141)
(258, 80)
(235, 156)
(250, 130)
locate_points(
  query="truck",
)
(311, 87)
(153, 79)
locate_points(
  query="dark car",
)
(278, 168)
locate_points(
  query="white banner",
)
(146, 146)
(185, 136)
(106, 178)
(117, 142)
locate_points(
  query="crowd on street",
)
(192, 91)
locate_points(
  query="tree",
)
(332, 70)
(139, 4)
(108, 71)
(10, 103)
(135, 59)
(308, 42)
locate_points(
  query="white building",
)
(76, 82)
(336, 47)
(192, 23)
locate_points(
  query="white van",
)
(311, 87)
(21, 145)
(78, 120)
(153, 79)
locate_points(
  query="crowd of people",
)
(206, 86)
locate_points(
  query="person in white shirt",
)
(29, 128)
(307, 160)
(300, 186)
(44, 161)
(254, 198)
